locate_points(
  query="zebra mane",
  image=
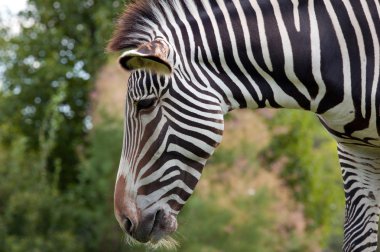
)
(131, 23)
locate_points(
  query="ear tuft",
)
(151, 56)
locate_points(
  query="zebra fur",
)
(320, 56)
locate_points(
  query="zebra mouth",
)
(164, 224)
(153, 228)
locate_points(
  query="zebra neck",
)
(249, 63)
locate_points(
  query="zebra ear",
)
(151, 56)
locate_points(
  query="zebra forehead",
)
(131, 21)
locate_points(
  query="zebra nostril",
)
(128, 225)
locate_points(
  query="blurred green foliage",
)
(35, 215)
(206, 226)
(57, 174)
(60, 43)
(55, 195)
(311, 170)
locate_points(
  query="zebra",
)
(193, 61)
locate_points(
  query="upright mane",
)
(131, 23)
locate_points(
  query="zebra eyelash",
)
(145, 103)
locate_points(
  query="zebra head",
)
(172, 126)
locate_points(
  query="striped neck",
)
(247, 51)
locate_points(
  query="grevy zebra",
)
(192, 61)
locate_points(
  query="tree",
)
(47, 72)
(60, 43)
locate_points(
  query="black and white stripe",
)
(321, 56)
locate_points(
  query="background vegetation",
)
(273, 185)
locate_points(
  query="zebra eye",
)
(145, 104)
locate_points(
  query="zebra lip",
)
(144, 229)
(163, 225)
(155, 226)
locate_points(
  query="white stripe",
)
(210, 116)
(171, 163)
(340, 114)
(173, 147)
(162, 202)
(220, 49)
(187, 153)
(183, 48)
(168, 176)
(279, 95)
(362, 54)
(262, 35)
(316, 56)
(288, 51)
(296, 15)
(235, 53)
(146, 147)
(376, 56)
(145, 200)
(195, 64)
(225, 90)
(195, 13)
(209, 134)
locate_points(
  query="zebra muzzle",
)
(149, 227)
